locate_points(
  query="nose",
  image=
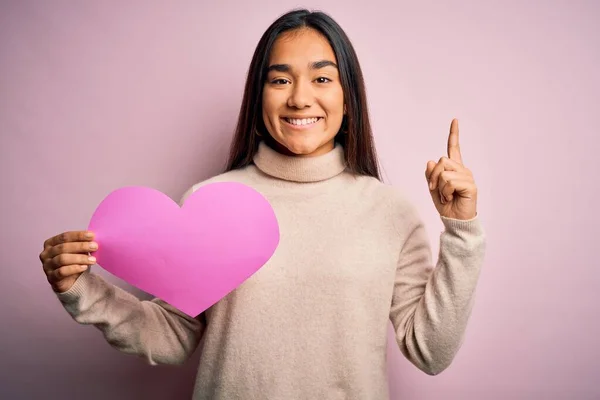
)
(301, 96)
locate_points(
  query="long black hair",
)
(355, 133)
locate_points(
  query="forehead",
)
(300, 47)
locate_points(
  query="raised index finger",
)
(453, 144)
(71, 236)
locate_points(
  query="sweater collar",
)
(300, 169)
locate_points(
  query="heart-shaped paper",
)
(189, 256)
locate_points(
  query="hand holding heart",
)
(189, 256)
(451, 184)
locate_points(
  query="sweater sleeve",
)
(431, 306)
(151, 329)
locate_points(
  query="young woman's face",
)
(303, 100)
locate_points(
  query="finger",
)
(445, 164)
(62, 260)
(447, 176)
(430, 166)
(70, 236)
(43, 255)
(72, 248)
(458, 186)
(453, 143)
(65, 272)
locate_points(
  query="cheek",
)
(265, 102)
(334, 106)
(334, 101)
(271, 103)
(267, 108)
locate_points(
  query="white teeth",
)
(305, 121)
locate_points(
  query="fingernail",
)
(83, 267)
(93, 246)
(430, 185)
(89, 235)
(92, 259)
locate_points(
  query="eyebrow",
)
(313, 65)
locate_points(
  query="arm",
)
(150, 329)
(431, 306)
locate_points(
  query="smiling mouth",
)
(304, 122)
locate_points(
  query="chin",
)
(301, 150)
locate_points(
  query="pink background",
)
(98, 95)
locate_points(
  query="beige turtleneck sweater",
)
(312, 323)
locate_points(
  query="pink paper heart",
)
(192, 256)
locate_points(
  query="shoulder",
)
(379, 191)
(393, 200)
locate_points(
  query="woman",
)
(353, 254)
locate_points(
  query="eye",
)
(322, 79)
(280, 81)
